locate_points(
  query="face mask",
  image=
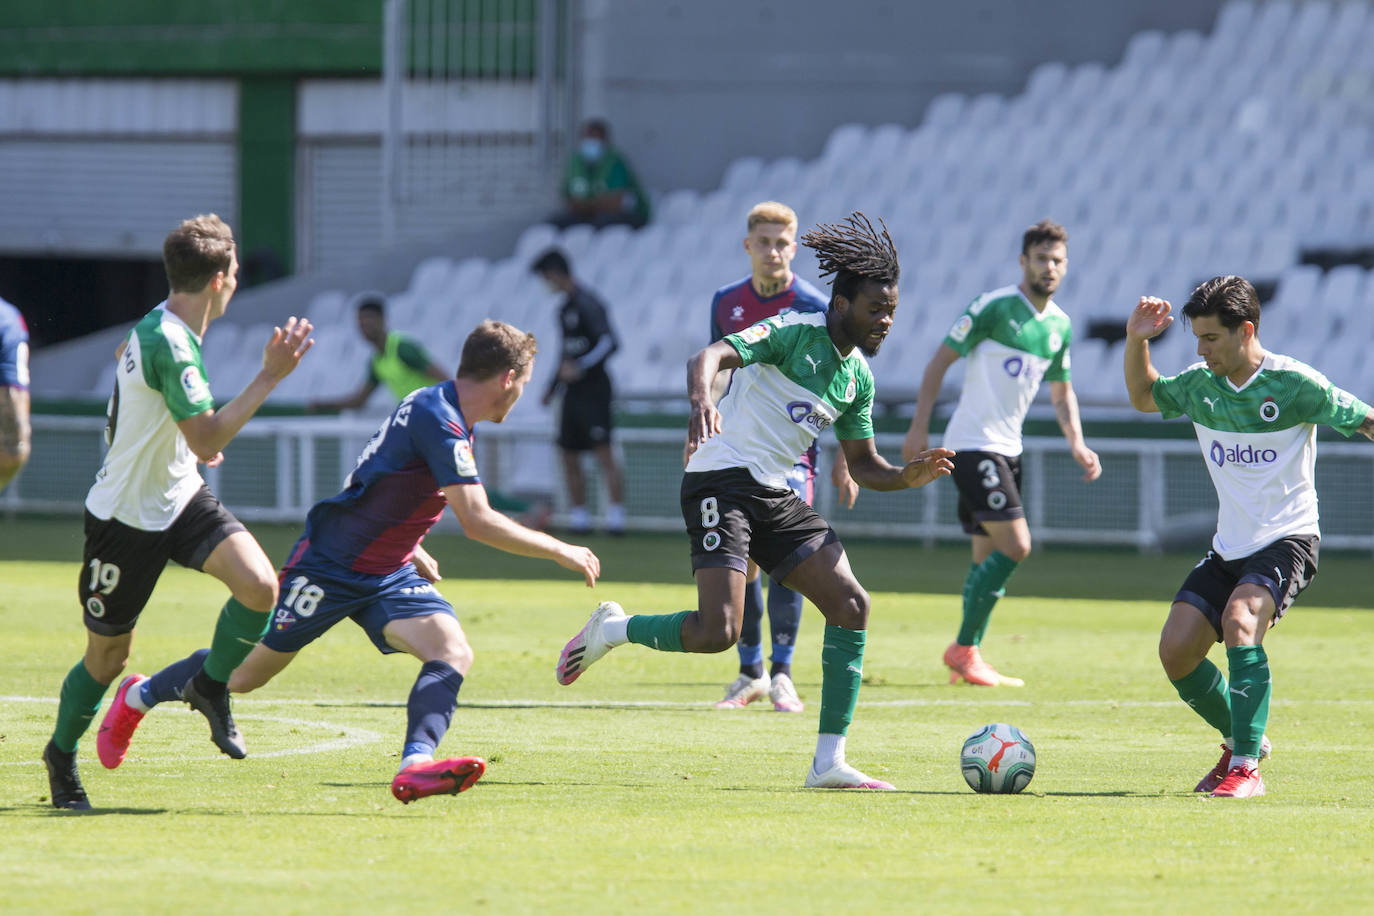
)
(591, 148)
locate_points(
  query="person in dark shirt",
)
(585, 416)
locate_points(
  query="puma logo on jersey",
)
(1015, 325)
(815, 366)
(1211, 403)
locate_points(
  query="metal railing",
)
(1153, 493)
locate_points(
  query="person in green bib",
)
(1256, 415)
(599, 186)
(400, 361)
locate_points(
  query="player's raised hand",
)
(1150, 318)
(930, 464)
(288, 344)
(581, 559)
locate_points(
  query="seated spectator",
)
(599, 187)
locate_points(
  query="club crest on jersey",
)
(1056, 341)
(961, 328)
(463, 462)
(754, 333)
(1222, 455)
(193, 383)
(1269, 410)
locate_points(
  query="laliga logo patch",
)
(851, 389)
(712, 540)
(961, 328)
(1013, 366)
(754, 333)
(193, 383)
(1269, 410)
(95, 606)
(463, 462)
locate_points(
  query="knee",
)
(259, 593)
(852, 613)
(1178, 656)
(458, 656)
(239, 682)
(1018, 550)
(720, 637)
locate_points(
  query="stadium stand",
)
(1239, 151)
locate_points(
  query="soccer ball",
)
(997, 758)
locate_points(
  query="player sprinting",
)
(770, 289)
(360, 557)
(1255, 414)
(1012, 337)
(149, 504)
(798, 374)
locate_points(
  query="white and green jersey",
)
(1009, 348)
(793, 385)
(149, 474)
(1259, 441)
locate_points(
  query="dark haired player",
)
(796, 375)
(360, 558)
(1012, 337)
(1256, 415)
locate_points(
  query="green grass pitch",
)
(628, 793)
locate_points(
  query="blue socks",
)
(430, 707)
(167, 683)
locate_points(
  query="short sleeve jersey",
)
(794, 384)
(1009, 347)
(1259, 442)
(394, 494)
(588, 338)
(149, 474)
(14, 347)
(401, 366)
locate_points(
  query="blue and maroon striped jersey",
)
(738, 306)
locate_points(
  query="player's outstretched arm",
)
(1066, 412)
(918, 434)
(703, 421)
(871, 471)
(208, 432)
(483, 523)
(1148, 320)
(15, 432)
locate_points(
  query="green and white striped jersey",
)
(1259, 442)
(793, 385)
(1009, 347)
(149, 474)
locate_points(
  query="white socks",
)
(829, 752)
(614, 631)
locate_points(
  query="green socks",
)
(1205, 691)
(80, 700)
(657, 631)
(1250, 688)
(237, 632)
(842, 661)
(985, 584)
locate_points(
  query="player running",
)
(770, 289)
(149, 504)
(799, 374)
(360, 558)
(1013, 337)
(1256, 416)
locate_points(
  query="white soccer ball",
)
(997, 758)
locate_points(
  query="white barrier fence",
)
(1153, 493)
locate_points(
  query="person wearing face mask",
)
(599, 187)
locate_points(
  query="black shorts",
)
(731, 517)
(1285, 568)
(586, 418)
(122, 564)
(989, 489)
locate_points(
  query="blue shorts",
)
(314, 597)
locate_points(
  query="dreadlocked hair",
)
(854, 251)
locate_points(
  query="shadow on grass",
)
(46, 810)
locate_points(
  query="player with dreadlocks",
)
(798, 373)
